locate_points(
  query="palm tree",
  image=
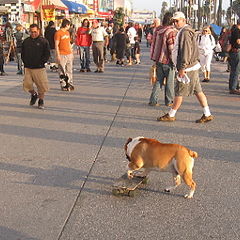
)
(219, 13)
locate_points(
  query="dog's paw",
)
(188, 196)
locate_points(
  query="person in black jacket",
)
(35, 53)
(49, 35)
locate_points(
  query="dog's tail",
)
(192, 153)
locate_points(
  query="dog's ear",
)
(128, 141)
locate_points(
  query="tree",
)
(219, 13)
(118, 16)
(163, 10)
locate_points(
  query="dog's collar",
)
(128, 158)
(131, 145)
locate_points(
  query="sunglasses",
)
(175, 21)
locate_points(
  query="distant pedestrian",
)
(2, 72)
(206, 44)
(137, 50)
(100, 39)
(161, 53)
(19, 35)
(35, 53)
(234, 60)
(64, 54)
(49, 35)
(132, 33)
(84, 42)
(185, 56)
(120, 42)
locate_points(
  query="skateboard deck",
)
(126, 186)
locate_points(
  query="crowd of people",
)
(178, 51)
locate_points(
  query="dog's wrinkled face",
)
(125, 148)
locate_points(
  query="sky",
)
(157, 4)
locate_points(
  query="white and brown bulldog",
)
(149, 153)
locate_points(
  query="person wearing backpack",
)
(206, 44)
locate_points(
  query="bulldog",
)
(148, 154)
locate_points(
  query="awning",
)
(35, 4)
(55, 4)
(75, 7)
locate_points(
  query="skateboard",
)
(126, 186)
(64, 78)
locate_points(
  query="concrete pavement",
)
(58, 164)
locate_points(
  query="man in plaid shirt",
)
(161, 52)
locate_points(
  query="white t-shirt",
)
(98, 34)
(132, 33)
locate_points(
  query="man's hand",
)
(181, 73)
(58, 59)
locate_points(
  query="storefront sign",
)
(49, 14)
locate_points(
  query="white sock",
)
(172, 113)
(206, 111)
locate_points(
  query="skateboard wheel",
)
(131, 193)
(145, 181)
(115, 192)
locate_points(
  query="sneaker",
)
(40, 104)
(88, 70)
(82, 70)
(205, 80)
(235, 91)
(166, 118)
(19, 72)
(34, 98)
(96, 71)
(100, 71)
(3, 74)
(154, 104)
(205, 119)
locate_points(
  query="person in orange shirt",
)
(64, 54)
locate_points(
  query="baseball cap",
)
(178, 15)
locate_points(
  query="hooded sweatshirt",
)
(186, 49)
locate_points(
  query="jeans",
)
(234, 62)
(84, 57)
(163, 71)
(19, 62)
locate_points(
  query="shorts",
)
(189, 89)
(37, 76)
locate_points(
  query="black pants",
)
(1, 68)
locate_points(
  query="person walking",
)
(84, 41)
(19, 35)
(35, 53)
(161, 53)
(206, 44)
(64, 55)
(99, 38)
(234, 60)
(120, 42)
(185, 57)
(132, 33)
(49, 35)
(2, 72)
